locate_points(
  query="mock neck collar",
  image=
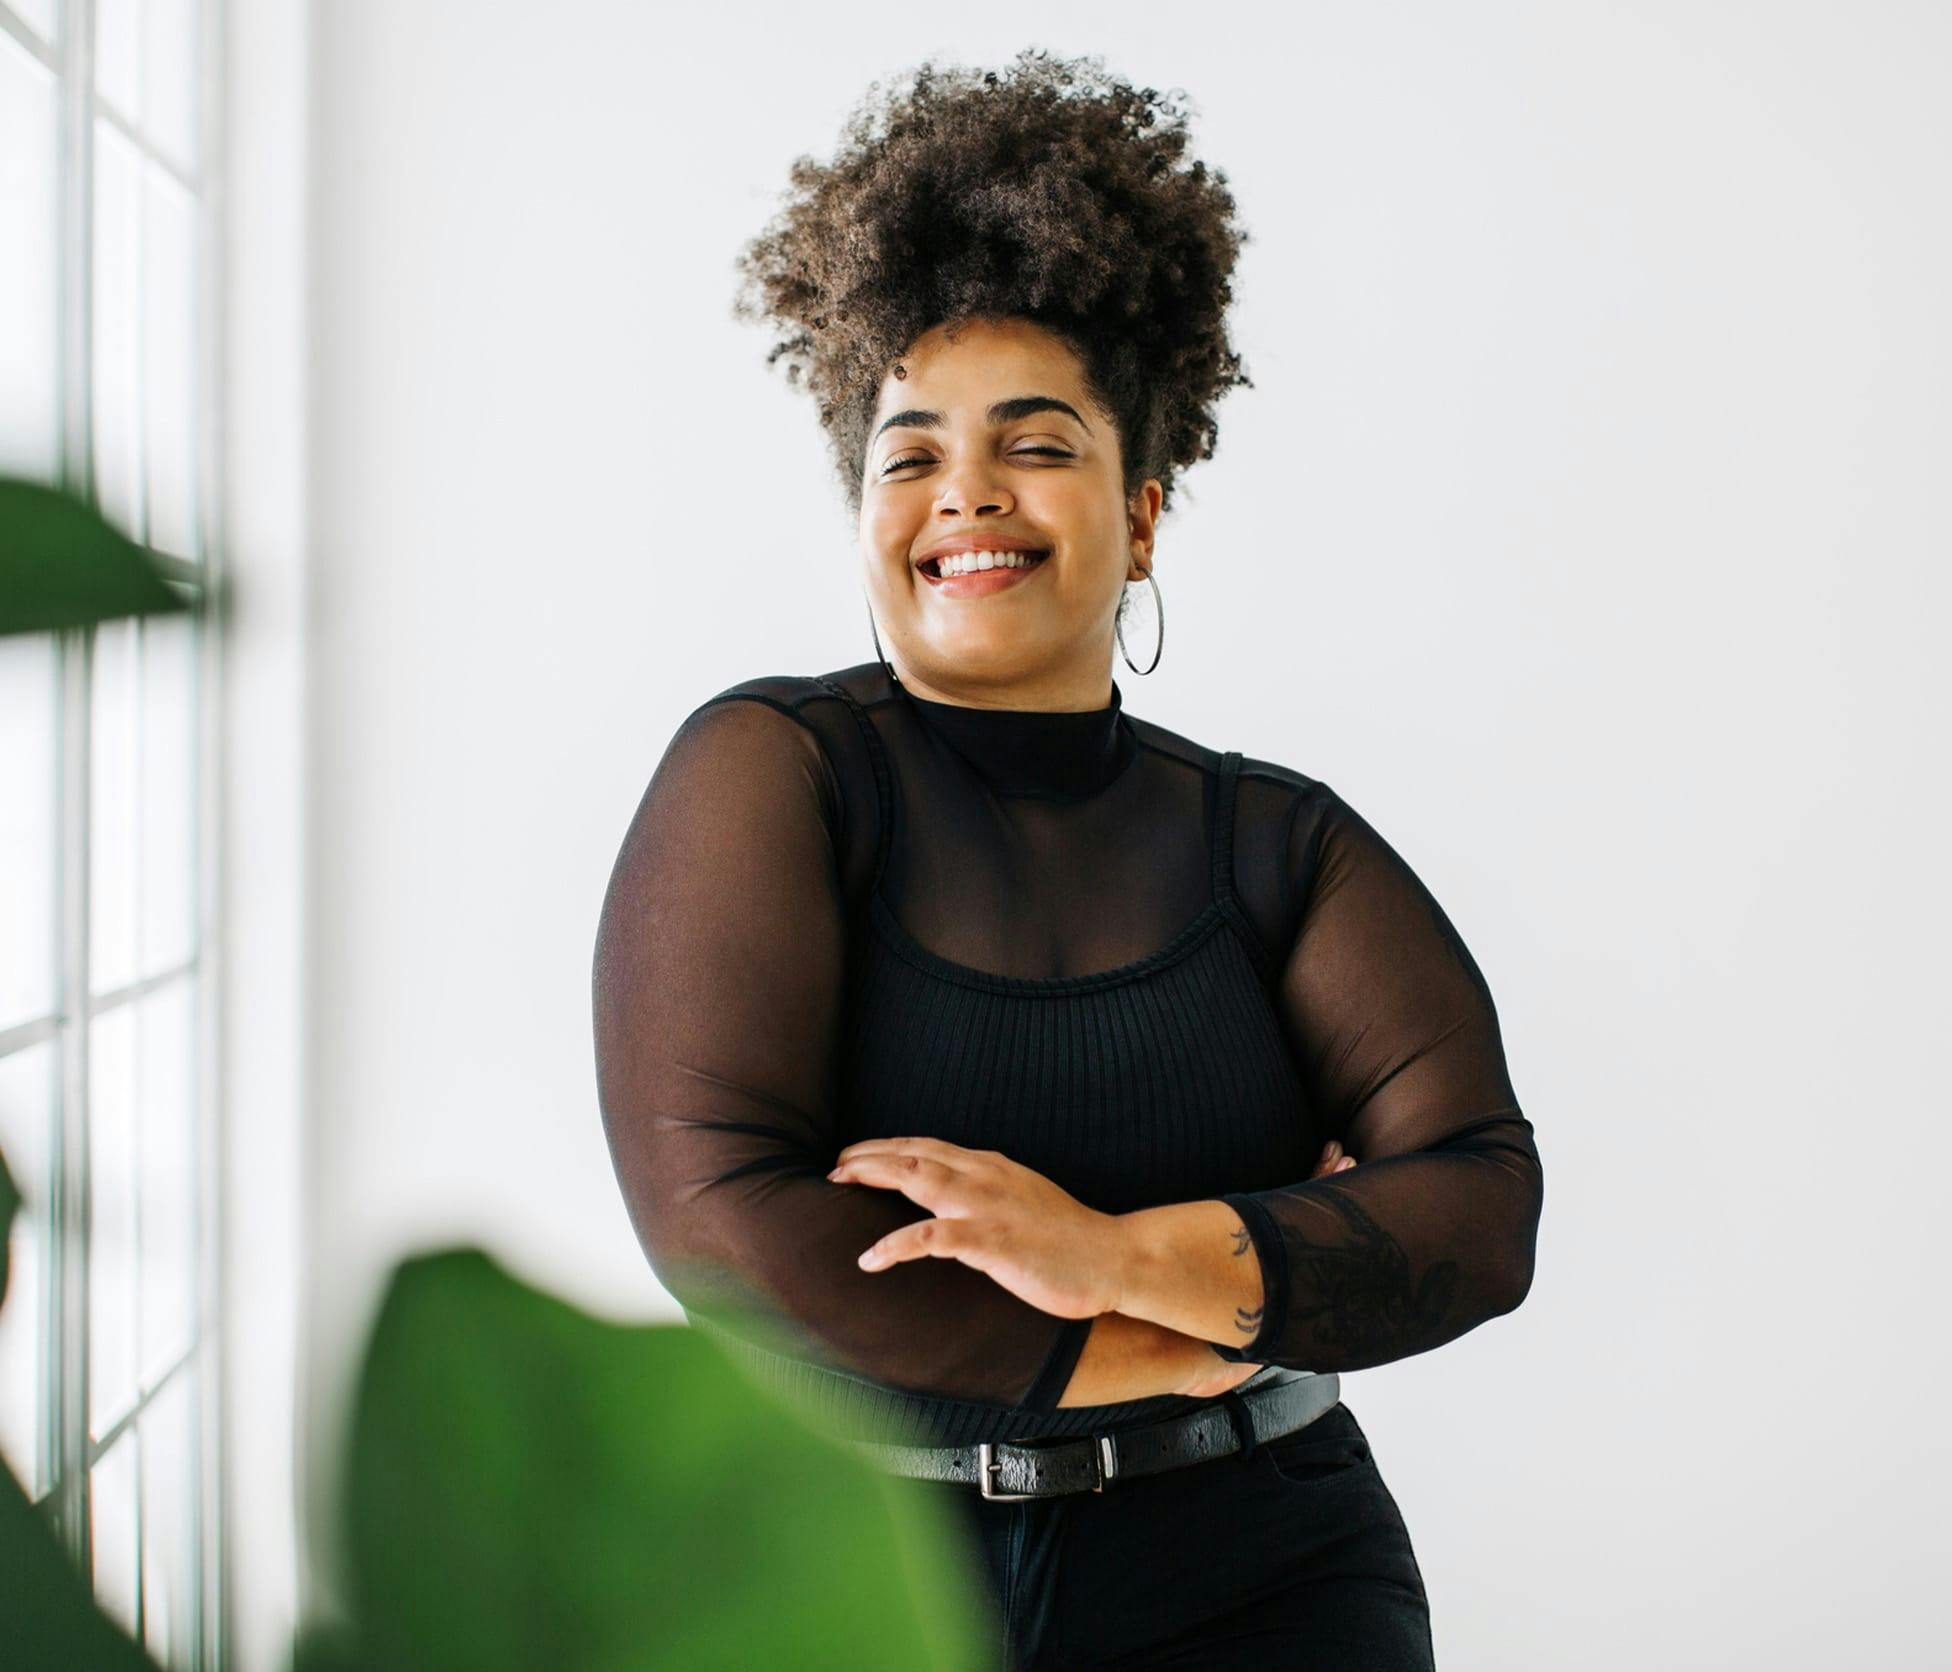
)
(1054, 754)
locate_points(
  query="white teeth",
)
(968, 563)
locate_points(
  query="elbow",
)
(1521, 1261)
(706, 1283)
(1517, 1283)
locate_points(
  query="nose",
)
(971, 489)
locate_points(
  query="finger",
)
(926, 1239)
(886, 1166)
(935, 1149)
(1344, 1164)
(916, 1177)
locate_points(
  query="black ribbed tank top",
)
(1163, 1079)
(1150, 971)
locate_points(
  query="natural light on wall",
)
(107, 1338)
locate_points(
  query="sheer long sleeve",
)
(719, 983)
(1392, 1024)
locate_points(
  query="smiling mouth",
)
(932, 567)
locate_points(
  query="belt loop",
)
(1243, 1421)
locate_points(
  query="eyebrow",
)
(1003, 412)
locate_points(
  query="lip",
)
(981, 583)
(979, 543)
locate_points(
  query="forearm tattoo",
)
(1247, 1322)
(1368, 1303)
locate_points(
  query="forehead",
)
(976, 362)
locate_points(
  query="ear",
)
(1142, 518)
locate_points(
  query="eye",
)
(1021, 452)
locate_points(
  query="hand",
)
(1214, 1375)
(1334, 1160)
(1036, 1240)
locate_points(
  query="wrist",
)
(1203, 1371)
(1133, 1257)
(1186, 1362)
(1129, 1358)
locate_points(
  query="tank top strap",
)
(1223, 864)
(883, 777)
(1223, 828)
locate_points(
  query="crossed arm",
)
(1394, 1028)
(717, 982)
(1161, 1337)
(1153, 1283)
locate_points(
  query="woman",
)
(1010, 1055)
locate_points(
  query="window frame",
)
(69, 1450)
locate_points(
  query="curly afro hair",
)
(1050, 191)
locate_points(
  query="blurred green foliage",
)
(62, 565)
(531, 1486)
(49, 1620)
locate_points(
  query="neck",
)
(1049, 753)
(1046, 696)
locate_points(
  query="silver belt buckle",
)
(986, 1467)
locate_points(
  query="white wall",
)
(261, 196)
(1586, 528)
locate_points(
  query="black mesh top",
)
(1152, 972)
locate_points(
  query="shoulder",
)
(1271, 791)
(788, 693)
(1263, 788)
(766, 721)
(805, 703)
(818, 720)
(804, 697)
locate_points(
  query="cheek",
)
(887, 535)
(1078, 507)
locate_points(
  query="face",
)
(988, 439)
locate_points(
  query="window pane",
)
(167, 1179)
(112, 1525)
(26, 1127)
(167, 822)
(29, 323)
(41, 16)
(112, 1214)
(169, 81)
(28, 819)
(169, 1473)
(117, 331)
(169, 335)
(118, 68)
(112, 810)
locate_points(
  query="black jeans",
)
(1294, 1557)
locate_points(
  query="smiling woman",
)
(1071, 1100)
(1020, 275)
(960, 473)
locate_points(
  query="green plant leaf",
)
(49, 1619)
(62, 565)
(10, 1203)
(527, 1485)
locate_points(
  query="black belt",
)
(1012, 1469)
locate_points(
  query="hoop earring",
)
(1118, 632)
(877, 648)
